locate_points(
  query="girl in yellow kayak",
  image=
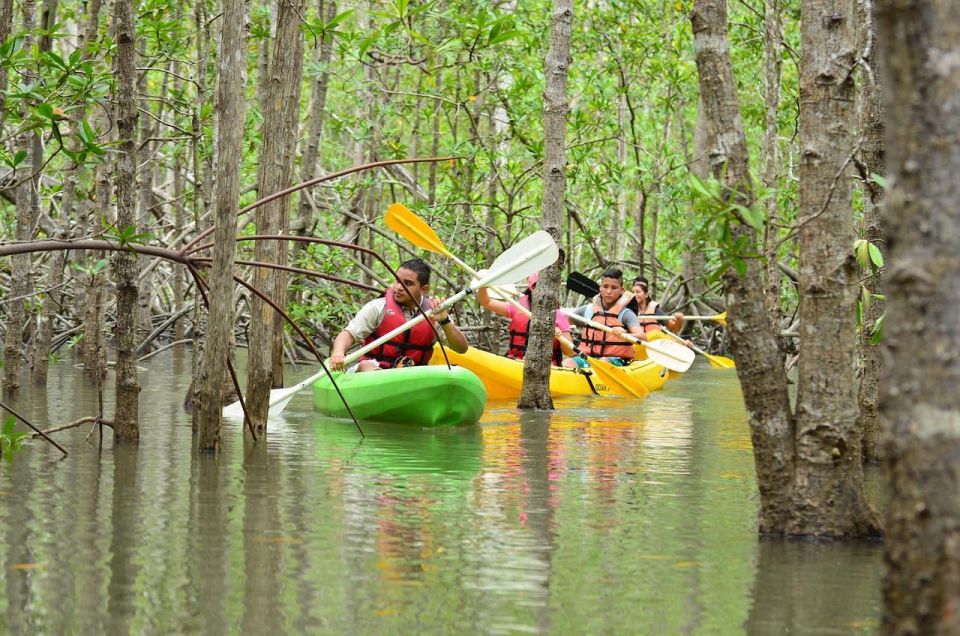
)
(520, 323)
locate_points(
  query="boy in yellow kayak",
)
(605, 310)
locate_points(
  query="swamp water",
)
(605, 517)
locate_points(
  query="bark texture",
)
(761, 374)
(21, 270)
(871, 162)
(282, 99)
(829, 497)
(536, 364)
(232, 74)
(919, 404)
(125, 264)
(318, 101)
(771, 98)
(6, 28)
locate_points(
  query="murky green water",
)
(605, 518)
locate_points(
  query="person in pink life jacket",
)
(520, 323)
(395, 307)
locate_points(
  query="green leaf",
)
(19, 157)
(877, 336)
(876, 257)
(740, 265)
(754, 218)
(700, 187)
(504, 36)
(337, 19)
(879, 180)
(862, 253)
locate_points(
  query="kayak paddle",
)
(525, 257)
(404, 222)
(720, 362)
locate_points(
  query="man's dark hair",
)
(419, 267)
(613, 272)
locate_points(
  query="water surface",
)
(605, 517)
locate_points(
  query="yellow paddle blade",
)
(721, 318)
(720, 362)
(617, 379)
(401, 220)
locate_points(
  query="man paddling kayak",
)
(397, 306)
(605, 310)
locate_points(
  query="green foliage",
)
(91, 269)
(10, 439)
(127, 235)
(50, 88)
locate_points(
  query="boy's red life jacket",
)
(519, 332)
(415, 343)
(597, 343)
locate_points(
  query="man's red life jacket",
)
(519, 332)
(415, 343)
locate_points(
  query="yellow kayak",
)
(502, 376)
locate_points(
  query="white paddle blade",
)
(673, 355)
(506, 292)
(525, 257)
(233, 411)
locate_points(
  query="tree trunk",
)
(125, 264)
(51, 305)
(768, 153)
(20, 286)
(536, 365)
(318, 101)
(145, 200)
(21, 274)
(761, 374)
(91, 346)
(695, 260)
(274, 174)
(872, 162)
(232, 77)
(918, 398)
(6, 28)
(829, 499)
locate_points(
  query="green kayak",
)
(424, 396)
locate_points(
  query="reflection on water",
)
(605, 516)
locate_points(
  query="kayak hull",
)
(502, 377)
(425, 397)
